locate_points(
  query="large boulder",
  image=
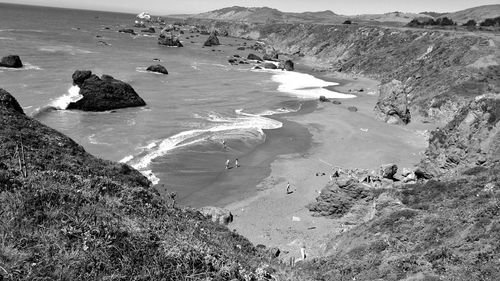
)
(105, 93)
(219, 215)
(157, 68)
(392, 106)
(254, 57)
(12, 61)
(269, 65)
(212, 40)
(9, 102)
(286, 65)
(388, 171)
(167, 39)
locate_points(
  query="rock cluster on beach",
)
(105, 93)
(12, 61)
(219, 215)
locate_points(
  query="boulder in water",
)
(212, 40)
(105, 93)
(286, 65)
(157, 68)
(12, 61)
(127, 30)
(254, 57)
(149, 30)
(9, 102)
(167, 39)
(269, 65)
(220, 215)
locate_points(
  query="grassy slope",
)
(76, 217)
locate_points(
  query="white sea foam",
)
(303, 85)
(245, 125)
(62, 102)
(126, 159)
(151, 177)
(92, 139)
(26, 66)
(64, 49)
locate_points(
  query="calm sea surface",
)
(200, 103)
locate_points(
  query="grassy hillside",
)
(478, 14)
(66, 215)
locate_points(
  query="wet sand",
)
(340, 138)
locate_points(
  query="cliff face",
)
(441, 70)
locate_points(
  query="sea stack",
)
(12, 61)
(105, 93)
(212, 40)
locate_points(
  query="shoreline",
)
(339, 138)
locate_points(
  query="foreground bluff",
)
(105, 93)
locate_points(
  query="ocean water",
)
(178, 136)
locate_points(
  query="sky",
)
(344, 7)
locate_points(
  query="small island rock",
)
(105, 93)
(157, 68)
(12, 61)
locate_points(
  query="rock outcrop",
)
(157, 68)
(9, 102)
(471, 139)
(392, 106)
(269, 65)
(105, 93)
(286, 65)
(219, 215)
(168, 39)
(212, 40)
(12, 61)
(149, 30)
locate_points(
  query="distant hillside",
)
(478, 14)
(389, 17)
(268, 15)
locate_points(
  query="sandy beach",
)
(341, 138)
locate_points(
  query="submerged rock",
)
(105, 93)
(212, 40)
(157, 68)
(12, 61)
(149, 30)
(219, 215)
(392, 106)
(9, 102)
(127, 30)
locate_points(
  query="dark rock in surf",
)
(240, 48)
(167, 39)
(7, 101)
(127, 30)
(157, 68)
(12, 61)
(212, 40)
(286, 65)
(105, 93)
(352, 108)
(269, 65)
(336, 102)
(149, 30)
(254, 57)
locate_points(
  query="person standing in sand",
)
(288, 191)
(236, 163)
(227, 164)
(224, 144)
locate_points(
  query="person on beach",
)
(288, 191)
(227, 164)
(224, 144)
(236, 163)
